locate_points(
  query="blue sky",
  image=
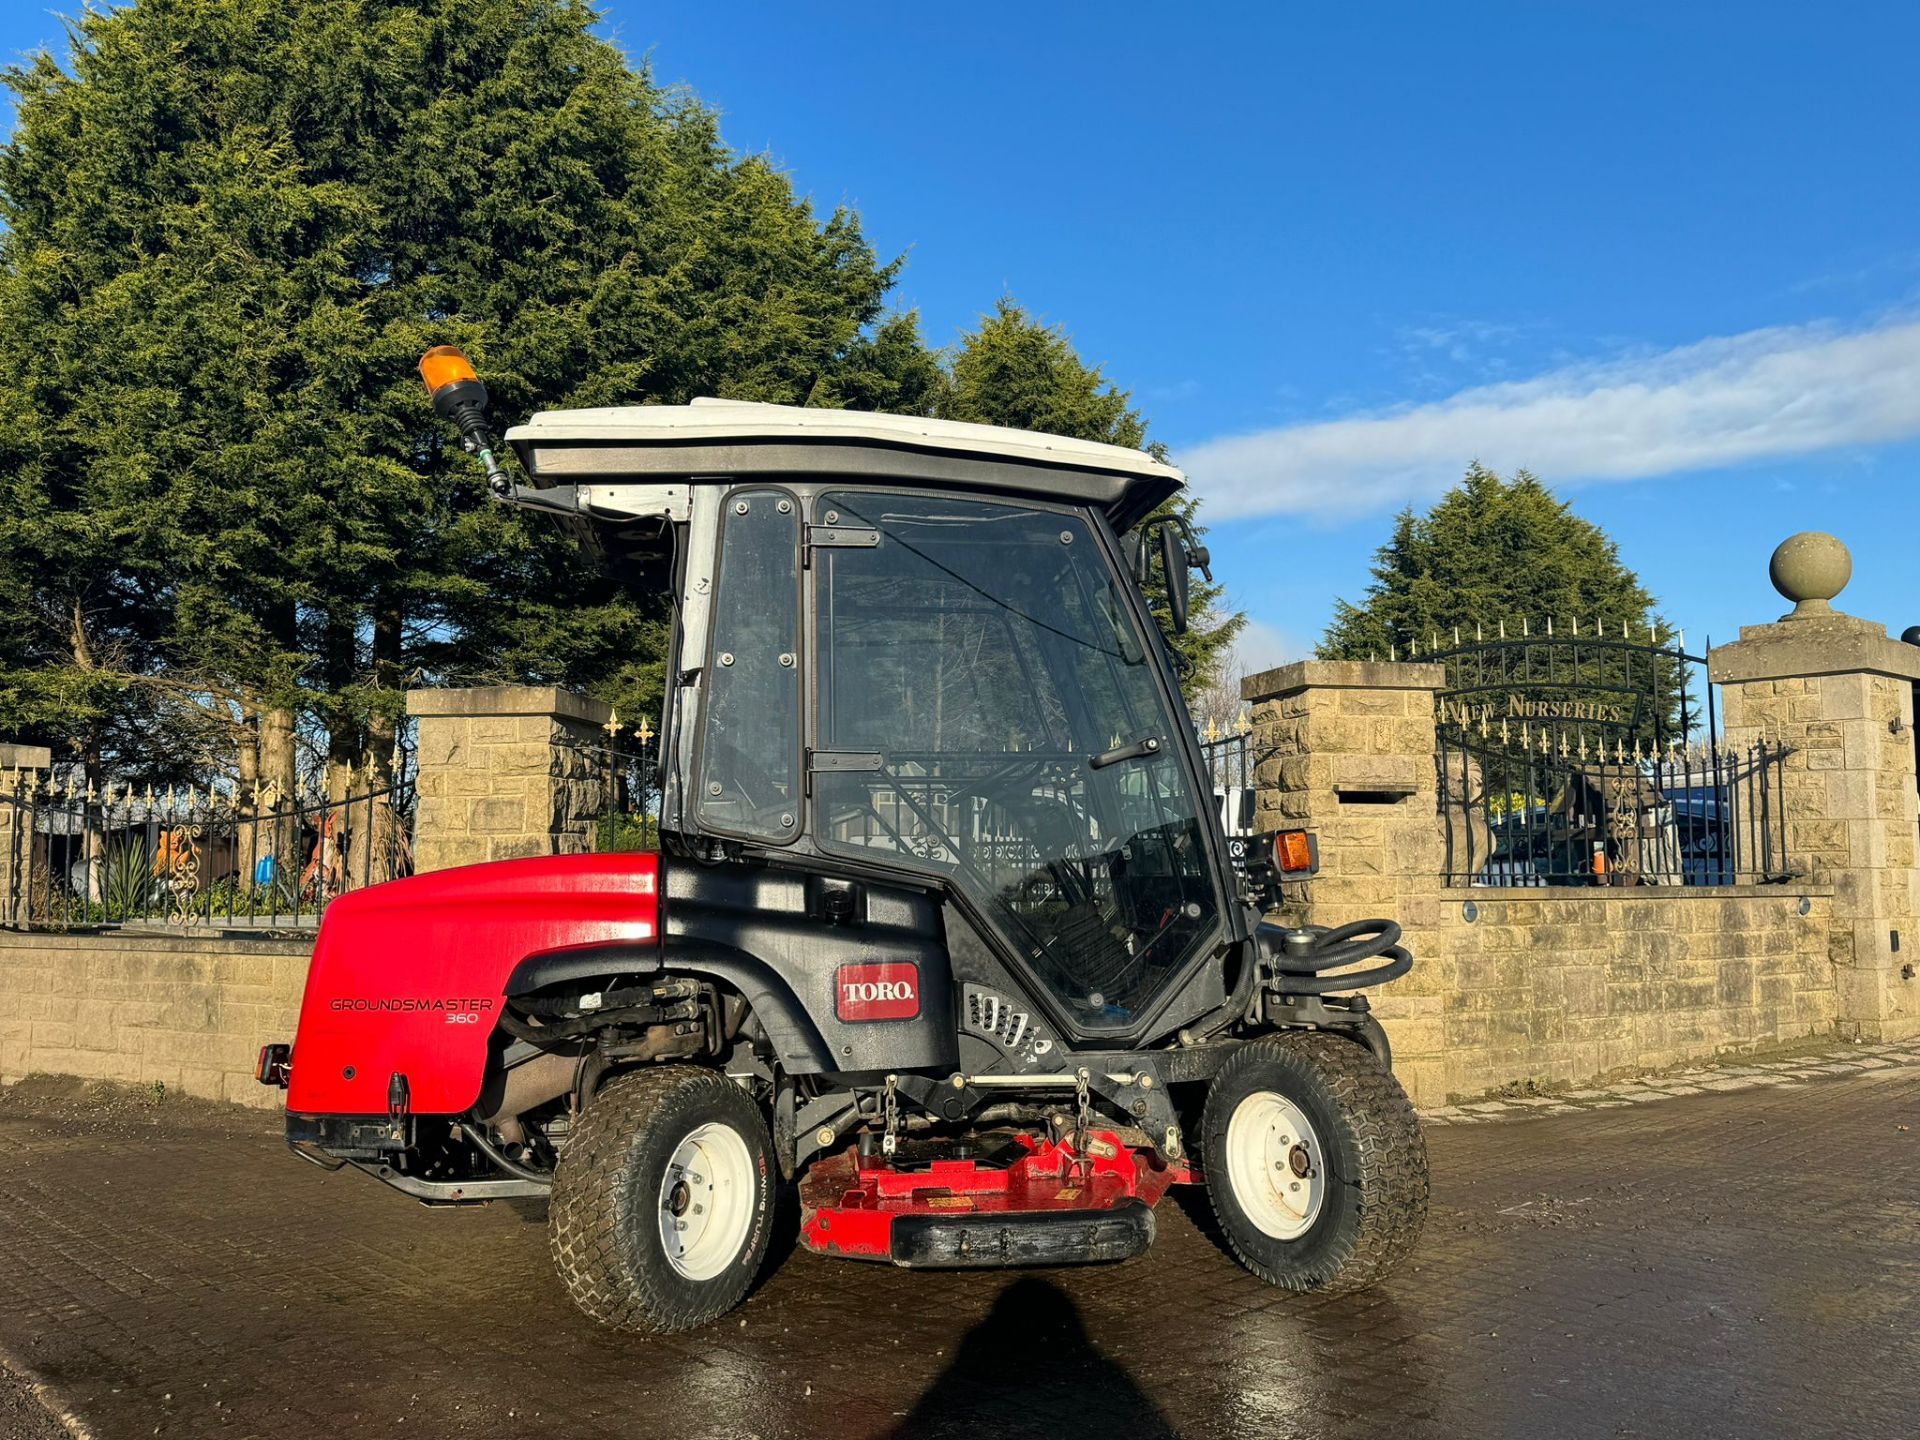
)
(1668, 255)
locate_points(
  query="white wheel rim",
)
(1275, 1165)
(706, 1202)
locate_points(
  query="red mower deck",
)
(1042, 1205)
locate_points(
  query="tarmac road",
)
(1742, 1264)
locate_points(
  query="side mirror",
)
(1173, 563)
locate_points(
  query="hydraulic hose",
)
(476, 1132)
(1304, 953)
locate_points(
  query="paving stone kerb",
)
(504, 771)
(1839, 693)
(1558, 984)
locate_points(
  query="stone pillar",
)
(1839, 692)
(1345, 748)
(22, 769)
(505, 771)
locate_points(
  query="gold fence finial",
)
(1526, 632)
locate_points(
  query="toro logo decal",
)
(877, 992)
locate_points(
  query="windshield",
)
(990, 715)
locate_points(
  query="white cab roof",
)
(735, 422)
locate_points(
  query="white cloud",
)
(1260, 646)
(1775, 392)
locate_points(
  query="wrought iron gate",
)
(1596, 759)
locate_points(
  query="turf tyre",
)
(1368, 1150)
(603, 1219)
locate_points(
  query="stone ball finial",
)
(1810, 569)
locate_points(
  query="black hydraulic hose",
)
(1300, 966)
(1399, 962)
(1348, 945)
(475, 1131)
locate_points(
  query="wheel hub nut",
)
(1299, 1160)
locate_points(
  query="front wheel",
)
(661, 1204)
(1315, 1162)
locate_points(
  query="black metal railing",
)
(1594, 680)
(1228, 758)
(1555, 812)
(75, 856)
(625, 788)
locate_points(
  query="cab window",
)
(749, 766)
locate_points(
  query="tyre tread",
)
(1392, 1183)
(588, 1217)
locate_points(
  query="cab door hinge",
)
(843, 537)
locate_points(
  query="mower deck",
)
(1029, 1201)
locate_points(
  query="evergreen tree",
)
(1505, 558)
(232, 225)
(1492, 551)
(1013, 370)
(229, 521)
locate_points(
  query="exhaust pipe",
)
(531, 1083)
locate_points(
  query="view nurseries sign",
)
(1523, 707)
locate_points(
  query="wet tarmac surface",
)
(1718, 1264)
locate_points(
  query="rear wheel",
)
(1315, 1162)
(661, 1203)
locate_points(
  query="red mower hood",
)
(408, 977)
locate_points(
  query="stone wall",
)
(1554, 986)
(505, 771)
(189, 1013)
(1839, 693)
(1345, 749)
(1565, 986)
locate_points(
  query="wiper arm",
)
(1133, 750)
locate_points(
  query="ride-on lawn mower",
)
(943, 924)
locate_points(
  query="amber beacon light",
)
(459, 395)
